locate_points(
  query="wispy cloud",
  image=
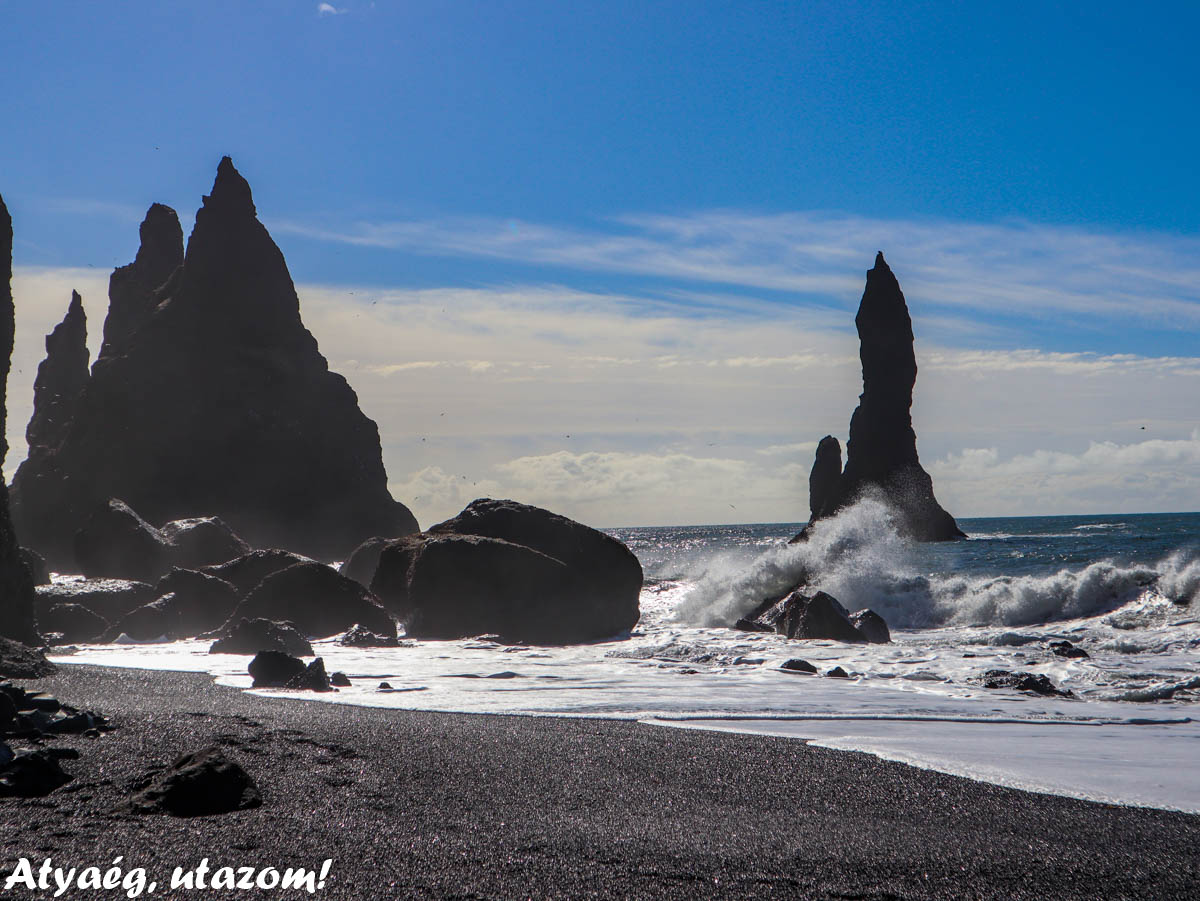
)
(999, 269)
(328, 9)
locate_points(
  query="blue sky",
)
(690, 173)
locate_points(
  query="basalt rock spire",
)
(61, 378)
(210, 397)
(16, 584)
(882, 451)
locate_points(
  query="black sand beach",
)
(427, 805)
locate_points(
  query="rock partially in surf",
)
(314, 678)
(202, 783)
(339, 680)
(837, 673)
(249, 636)
(275, 669)
(796, 665)
(318, 600)
(19, 661)
(818, 616)
(202, 541)
(1030, 682)
(117, 543)
(874, 628)
(1068, 650)
(72, 622)
(358, 636)
(245, 572)
(519, 571)
(361, 565)
(881, 454)
(36, 564)
(825, 475)
(108, 598)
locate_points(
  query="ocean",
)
(1123, 588)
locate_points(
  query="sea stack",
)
(882, 450)
(16, 584)
(210, 397)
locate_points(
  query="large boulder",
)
(117, 543)
(202, 783)
(202, 602)
(881, 455)
(318, 600)
(210, 397)
(72, 623)
(249, 636)
(16, 584)
(109, 598)
(202, 541)
(19, 661)
(245, 572)
(517, 571)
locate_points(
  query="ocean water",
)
(1123, 588)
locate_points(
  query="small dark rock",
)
(838, 673)
(8, 713)
(798, 615)
(873, 626)
(251, 636)
(202, 783)
(339, 679)
(313, 678)
(274, 669)
(34, 774)
(385, 686)
(1037, 684)
(796, 665)
(1066, 649)
(361, 637)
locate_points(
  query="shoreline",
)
(421, 804)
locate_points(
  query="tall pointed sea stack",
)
(16, 584)
(882, 450)
(61, 378)
(210, 396)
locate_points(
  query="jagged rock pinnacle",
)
(133, 289)
(61, 378)
(230, 193)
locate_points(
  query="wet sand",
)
(430, 805)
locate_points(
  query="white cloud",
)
(1000, 270)
(328, 9)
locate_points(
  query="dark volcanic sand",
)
(428, 805)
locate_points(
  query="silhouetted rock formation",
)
(16, 584)
(825, 475)
(816, 616)
(210, 397)
(882, 450)
(518, 571)
(133, 289)
(61, 378)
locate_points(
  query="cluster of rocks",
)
(517, 571)
(816, 616)
(209, 398)
(881, 455)
(34, 717)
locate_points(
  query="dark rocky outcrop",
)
(273, 669)
(20, 661)
(318, 600)
(521, 572)
(1068, 650)
(16, 584)
(202, 541)
(133, 289)
(825, 476)
(60, 381)
(34, 774)
(109, 598)
(339, 680)
(872, 626)
(36, 564)
(202, 783)
(71, 623)
(201, 602)
(212, 398)
(881, 454)
(796, 665)
(249, 636)
(358, 636)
